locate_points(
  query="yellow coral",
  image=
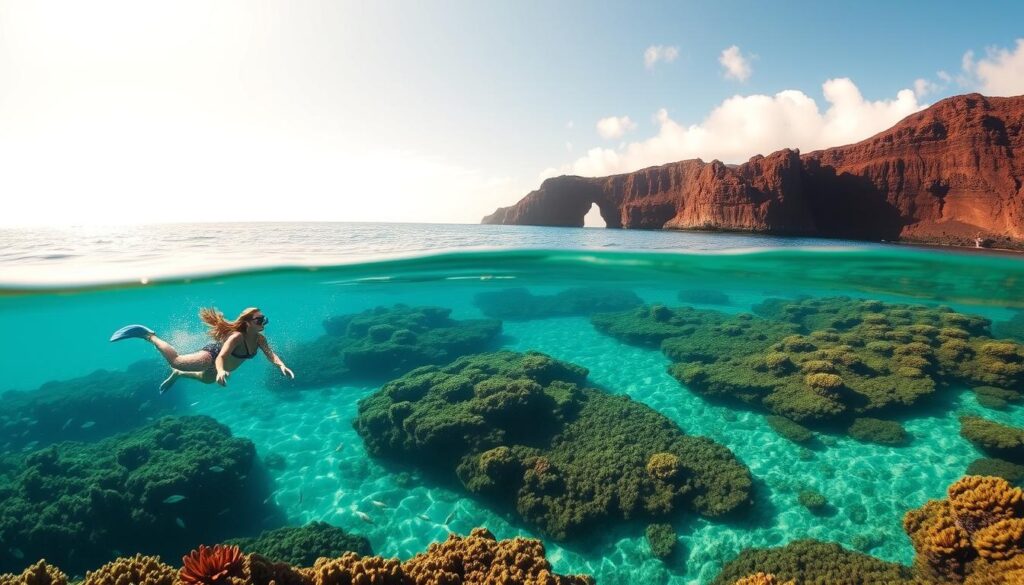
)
(40, 573)
(1001, 541)
(663, 466)
(352, 569)
(979, 501)
(136, 570)
(762, 579)
(823, 381)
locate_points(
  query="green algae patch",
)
(662, 539)
(788, 429)
(519, 304)
(815, 361)
(161, 488)
(522, 430)
(998, 440)
(996, 398)
(813, 561)
(1011, 472)
(383, 342)
(813, 501)
(302, 546)
(883, 432)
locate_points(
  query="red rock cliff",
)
(942, 175)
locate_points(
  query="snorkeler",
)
(234, 342)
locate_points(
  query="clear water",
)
(56, 334)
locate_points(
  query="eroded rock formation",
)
(944, 175)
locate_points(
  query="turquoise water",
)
(61, 334)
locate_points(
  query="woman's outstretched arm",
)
(265, 346)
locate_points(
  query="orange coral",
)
(137, 570)
(762, 579)
(353, 569)
(1000, 541)
(663, 466)
(209, 566)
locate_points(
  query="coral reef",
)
(1011, 472)
(302, 546)
(519, 304)
(818, 361)
(477, 559)
(1012, 328)
(136, 570)
(791, 430)
(662, 539)
(810, 562)
(523, 431)
(154, 490)
(998, 440)
(87, 408)
(883, 432)
(382, 342)
(996, 398)
(813, 501)
(762, 579)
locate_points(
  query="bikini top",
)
(247, 355)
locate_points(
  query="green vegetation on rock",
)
(817, 361)
(813, 501)
(998, 440)
(813, 562)
(302, 546)
(519, 304)
(382, 342)
(523, 431)
(786, 428)
(1011, 472)
(662, 539)
(883, 432)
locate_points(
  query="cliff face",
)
(942, 175)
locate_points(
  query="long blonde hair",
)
(221, 328)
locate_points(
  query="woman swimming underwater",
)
(234, 342)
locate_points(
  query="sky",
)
(141, 112)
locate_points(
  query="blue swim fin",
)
(130, 331)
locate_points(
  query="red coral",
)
(209, 566)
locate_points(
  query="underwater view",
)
(651, 417)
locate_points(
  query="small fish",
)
(145, 405)
(339, 447)
(16, 553)
(379, 504)
(270, 497)
(450, 517)
(194, 403)
(224, 511)
(423, 517)
(364, 517)
(300, 496)
(296, 437)
(88, 424)
(179, 522)
(66, 423)
(217, 469)
(174, 499)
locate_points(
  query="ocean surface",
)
(64, 291)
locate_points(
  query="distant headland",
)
(951, 174)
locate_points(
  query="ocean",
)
(519, 289)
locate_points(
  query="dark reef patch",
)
(302, 546)
(524, 432)
(87, 408)
(519, 304)
(382, 342)
(156, 490)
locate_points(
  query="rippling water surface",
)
(54, 331)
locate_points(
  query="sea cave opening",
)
(593, 217)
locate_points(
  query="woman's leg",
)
(207, 376)
(192, 362)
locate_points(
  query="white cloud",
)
(568, 146)
(923, 87)
(944, 77)
(999, 73)
(612, 127)
(743, 126)
(656, 53)
(737, 66)
(569, 125)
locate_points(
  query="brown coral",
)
(762, 579)
(40, 573)
(210, 565)
(1001, 541)
(352, 569)
(137, 570)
